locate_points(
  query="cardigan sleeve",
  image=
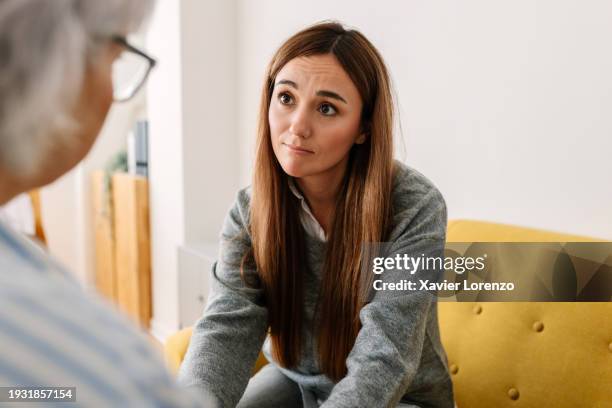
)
(227, 339)
(387, 351)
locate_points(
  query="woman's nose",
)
(300, 124)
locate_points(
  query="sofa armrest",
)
(176, 346)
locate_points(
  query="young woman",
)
(292, 247)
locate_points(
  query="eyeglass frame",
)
(122, 41)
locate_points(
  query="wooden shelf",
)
(122, 236)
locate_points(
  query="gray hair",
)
(44, 48)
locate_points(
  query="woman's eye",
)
(285, 99)
(327, 109)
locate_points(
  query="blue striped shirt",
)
(52, 333)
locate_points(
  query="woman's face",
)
(314, 116)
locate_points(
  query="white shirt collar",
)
(309, 222)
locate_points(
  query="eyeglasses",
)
(130, 70)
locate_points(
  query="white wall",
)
(193, 146)
(504, 105)
(210, 155)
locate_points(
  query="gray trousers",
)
(270, 388)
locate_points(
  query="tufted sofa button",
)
(454, 369)
(538, 326)
(513, 393)
(477, 309)
(610, 346)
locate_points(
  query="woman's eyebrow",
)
(286, 82)
(332, 95)
(323, 92)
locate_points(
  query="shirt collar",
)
(309, 222)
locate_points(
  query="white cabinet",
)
(194, 264)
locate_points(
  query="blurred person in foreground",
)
(57, 59)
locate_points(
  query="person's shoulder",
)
(410, 186)
(243, 198)
(417, 205)
(237, 219)
(94, 349)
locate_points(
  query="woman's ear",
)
(361, 138)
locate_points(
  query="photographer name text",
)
(425, 284)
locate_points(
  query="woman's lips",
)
(297, 149)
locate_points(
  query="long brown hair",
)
(361, 214)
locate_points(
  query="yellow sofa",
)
(536, 355)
